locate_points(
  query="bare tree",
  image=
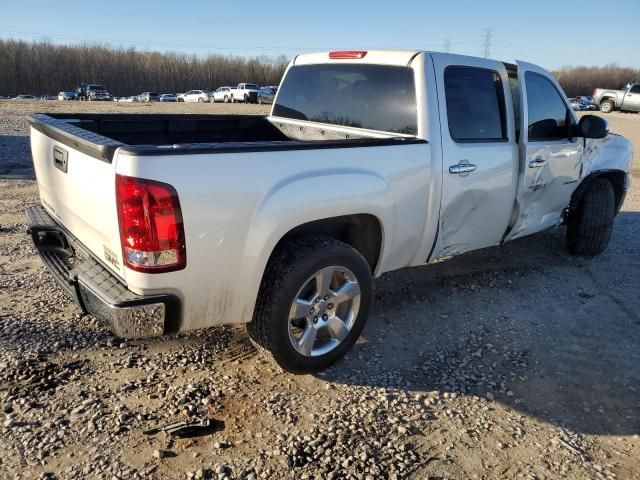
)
(583, 80)
(45, 68)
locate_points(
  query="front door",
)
(480, 153)
(550, 155)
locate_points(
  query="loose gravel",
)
(520, 362)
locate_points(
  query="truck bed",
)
(99, 135)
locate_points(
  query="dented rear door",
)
(480, 152)
(550, 157)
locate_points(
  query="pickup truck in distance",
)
(610, 100)
(163, 223)
(245, 92)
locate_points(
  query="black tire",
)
(590, 225)
(290, 267)
(200, 100)
(246, 99)
(607, 106)
(226, 99)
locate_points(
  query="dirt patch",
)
(519, 362)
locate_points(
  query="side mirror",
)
(591, 126)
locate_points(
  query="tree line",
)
(583, 80)
(39, 68)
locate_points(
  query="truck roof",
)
(378, 57)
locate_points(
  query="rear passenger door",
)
(480, 152)
(551, 156)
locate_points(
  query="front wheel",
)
(313, 303)
(607, 106)
(590, 224)
(200, 100)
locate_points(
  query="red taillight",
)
(349, 54)
(151, 229)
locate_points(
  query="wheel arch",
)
(361, 231)
(617, 179)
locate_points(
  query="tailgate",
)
(76, 178)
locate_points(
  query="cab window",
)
(475, 104)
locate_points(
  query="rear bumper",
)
(94, 288)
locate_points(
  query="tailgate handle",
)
(60, 159)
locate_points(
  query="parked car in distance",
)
(25, 97)
(222, 94)
(147, 97)
(346, 183)
(627, 99)
(245, 92)
(575, 104)
(168, 97)
(67, 96)
(266, 95)
(195, 96)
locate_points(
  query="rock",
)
(159, 454)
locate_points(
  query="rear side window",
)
(375, 97)
(475, 104)
(635, 89)
(549, 117)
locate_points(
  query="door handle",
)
(537, 163)
(462, 168)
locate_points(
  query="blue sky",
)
(550, 33)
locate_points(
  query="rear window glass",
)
(376, 97)
(475, 105)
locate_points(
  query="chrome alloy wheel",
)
(324, 311)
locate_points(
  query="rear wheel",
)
(313, 303)
(200, 100)
(590, 224)
(246, 99)
(607, 106)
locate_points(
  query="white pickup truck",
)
(245, 92)
(370, 161)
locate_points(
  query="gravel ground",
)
(519, 362)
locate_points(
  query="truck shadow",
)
(15, 157)
(549, 335)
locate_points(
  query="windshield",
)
(375, 97)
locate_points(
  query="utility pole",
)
(488, 36)
(446, 45)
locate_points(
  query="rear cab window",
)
(373, 97)
(475, 104)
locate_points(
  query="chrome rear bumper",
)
(94, 288)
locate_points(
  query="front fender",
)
(611, 153)
(305, 198)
